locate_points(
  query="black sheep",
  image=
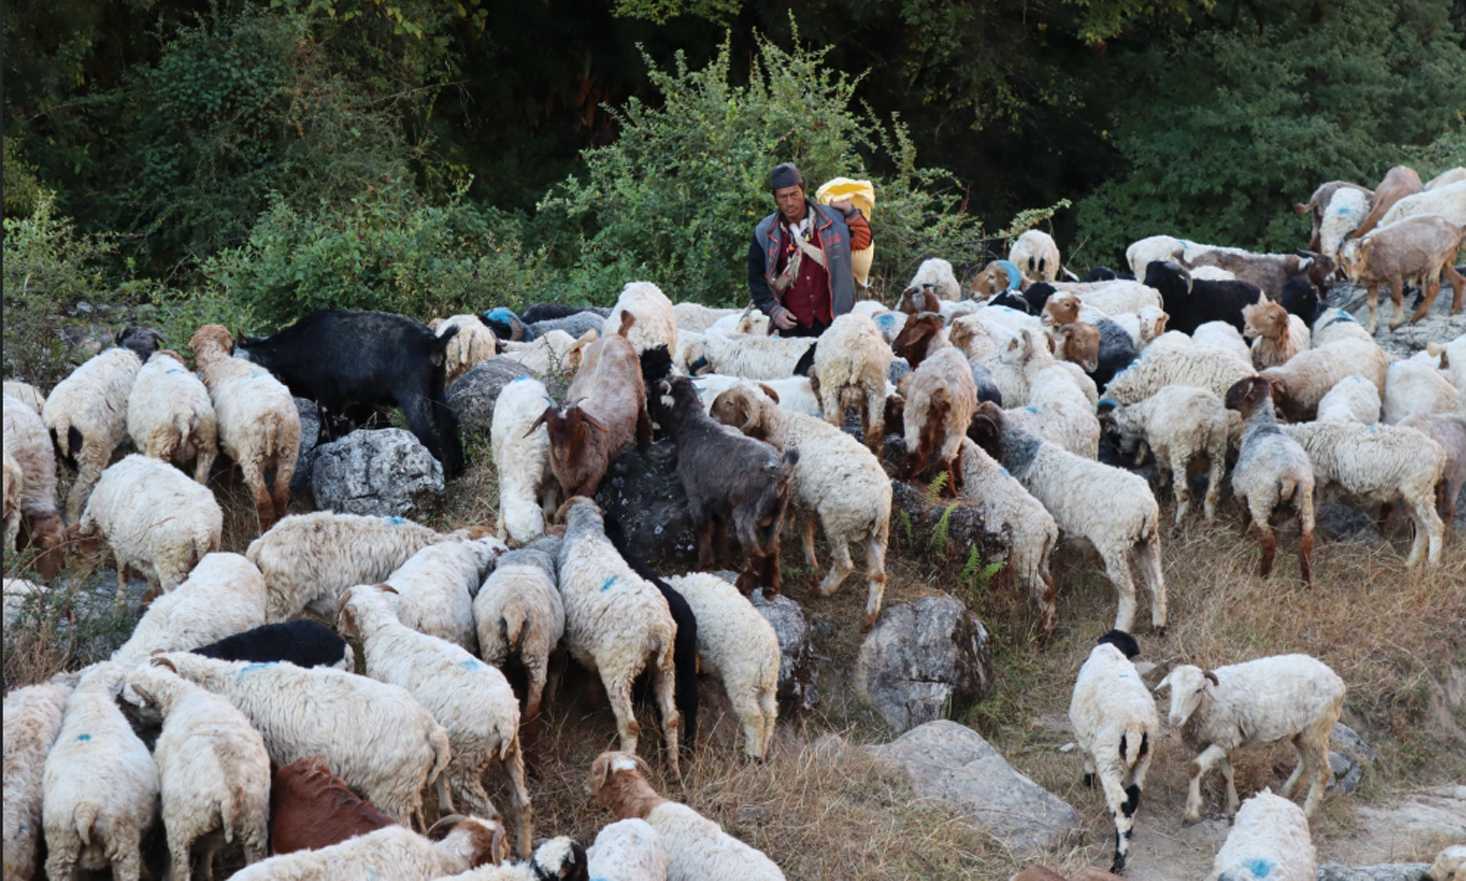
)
(1300, 297)
(1036, 295)
(340, 358)
(1014, 300)
(302, 643)
(1192, 302)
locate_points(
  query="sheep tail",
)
(183, 422)
(233, 807)
(438, 738)
(512, 625)
(86, 817)
(1132, 743)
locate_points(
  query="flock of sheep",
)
(271, 743)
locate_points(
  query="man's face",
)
(791, 202)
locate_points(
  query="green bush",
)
(675, 198)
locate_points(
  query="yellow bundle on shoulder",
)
(862, 194)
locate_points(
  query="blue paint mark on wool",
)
(1108, 402)
(886, 319)
(1260, 867)
(1015, 276)
(471, 664)
(1031, 408)
(606, 585)
(520, 378)
(396, 520)
(252, 667)
(500, 313)
(83, 737)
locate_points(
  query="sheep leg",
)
(1117, 567)
(1318, 762)
(1429, 530)
(60, 865)
(751, 718)
(519, 797)
(1289, 785)
(875, 420)
(1047, 605)
(1216, 471)
(1180, 485)
(806, 529)
(1458, 284)
(445, 795)
(768, 702)
(254, 478)
(127, 865)
(284, 471)
(1432, 290)
(619, 694)
(643, 432)
(705, 540)
(121, 599)
(1148, 557)
(1397, 296)
(1122, 810)
(203, 464)
(179, 846)
(1199, 766)
(534, 669)
(840, 564)
(1373, 291)
(418, 411)
(665, 683)
(875, 569)
(88, 472)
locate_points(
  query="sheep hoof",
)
(1118, 865)
(1190, 820)
(1159, 630)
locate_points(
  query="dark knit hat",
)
(785, 174)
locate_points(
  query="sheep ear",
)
(440, 829)
(159, 661)
(387, 588)
(593, 422)
(768, 390)
(1211, 677)
(499, 845)
(345, 619)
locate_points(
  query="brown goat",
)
(920, 299)
(916, 337)
(312, 808)
(1079, 342)
(1319, 201)
(1423, 246)
(606, 414)
(1062, 308)
(1399, 182)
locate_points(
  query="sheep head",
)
(921, 298)
(986, 428)
(914, 341)
(1188, 685)
(1246, 395)
(618, 782)
(749, 412)
(1266, 320)
(479, 841)
(577, 457)
(1079, 342)
(211, 341)
(1061, 309)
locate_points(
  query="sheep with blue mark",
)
(1272, 468)
(470, 699)
(1057, 409)
(1268, 842)
(32, 719)
(437, 584)
(1162, 365)
(997, 277)
(170, 416)
(518, 611)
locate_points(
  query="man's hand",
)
(782, 318)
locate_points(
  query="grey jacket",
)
(763, 258)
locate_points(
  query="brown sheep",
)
(1079, 342)
(1399, 182)
(917, 336)
(311, 808)
(1320, 201)
(1423, 246)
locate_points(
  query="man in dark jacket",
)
(799, 262)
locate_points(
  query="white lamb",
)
(1153, 249)
(1221, 335)
(1203, 367)
(222, 596)
(86, 414)
(1036, 255)
(26, 394)
(550, 353)
(836, 481)
(521, 447)
(1142, 326)
(696, 317)
(1179, 423)
(1115, 724)
(738, 645)
(101, 784)
(170, 416)
(851, 363)
(697, 848)
(454, 845)
(32, 718)
(656, 322)
(753, 357)
(628, 850)
(214, 771)
(1272, 468)
(795, 394)
(470, 699)
(154, 519)
(616, 623)
(471, 345)
(519, 611)
(554, 858)
(1269, 841)
(749, 321)
(936, 274)
(1113, 509)
(1448, 201)
(1027, 528)
(1415, 387)
(436, 587)
(380, 740)
(1293, 697)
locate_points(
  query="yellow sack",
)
(863, 196)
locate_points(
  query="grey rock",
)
(1349, 756)
(923, 659)
(1383, 872)
(381, 472)
(1437, 324)
(310, 435)
(642, 493)
(797, 671)
(473, 394)
(952, 763)
(1436, 813)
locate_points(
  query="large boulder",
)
(1349, 756)
(1384, 872)
(642, 493)
(796, 650)
(473, 394)
(952, 763)
(924, 659)
(381, 472)
(310, 435)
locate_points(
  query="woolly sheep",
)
(455, 844)
(1276, 334)
(470, 699)
(154, 519)
(1153, 249)
(214, 772)
(1212, 273)
(1115, 724)
(1269, 841)
(1415, 387)
(25, 393)
(1110, 297)
(28, 445)
(1179, 423)
(656, 322)
(222, 596)
(940, 399)
(1292, 697)
(1271, 468)
(697, 318)
(836, 481)
(259, 426)
(555, 859)
(1301, 383)
(519, 611)
(14, 488)
(1113, 509)
(749, 356)
(86, 415)
(1211, 369)
(1036, 255)
(794, 394)
(1027, 528)
(1448, 201)
(748, 322)
(1058, 413)
(936, 274)
(436, 585)
(1449, 431)
(554, 352)
(32, 718)
(100, 784)
(521, 450)
(630, 850)
(1319, 202)
(170, 416)
(379, 740)
(1221, 335)
(1100, 350)
(473, 344)
(1343, 214)
(1352, 399)
(851, 362)
(697, 848)
(1022, 359)
(615, 622)
(1452, 358)
(1445, 179)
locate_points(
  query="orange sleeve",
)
(859, 231)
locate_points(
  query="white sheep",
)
(795, 394)
(1352, 399)
(616, 623)
(1277, 335)
(1444, 179)
(454, 845)
(519, 611)
(471, 345)
(1115, 724)
(1211, 273)
(748, 322)
(1335, 324)
(1269, 841)
(1113, 509)
(32, 718)
(1343, 214)
(1272, 468)
(1301, 383)
(554, 858)
(1448, 201)
(696, 317)
(1153, 249)
(1143, 326)
(1027, 528)
(259, 426)
(1292, 697)
(1379, 464)
(222, 596)
(1415, 387)
(753, 357)
(470, 699)
(86, 414)
(1114, 297)
(628, 850)
(836, 481)
(554, 351)
(521, 450)
(1058, 412)
(1449, 431)
(14, 489)
(28, 445)
(436, 587)
(1179, 423)
(851, 363)
(697, 848)
(154, 519)
(1221, 335)
(656, 322)
(941, 397)
(1452, 360)
(936, 274)
(1018, 364)
(1036, 255)
(170, 416)
(1203, 367)
(101, 784)
(214, 771)
(737, 644)
(26, 394)
(1449, 864)
(380, 740)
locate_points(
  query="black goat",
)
(302, 643)
(1013, 300)
(339, 358)
(1300, 297)
(1192, 302)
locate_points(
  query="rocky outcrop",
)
(924, 660)
(380, 472)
